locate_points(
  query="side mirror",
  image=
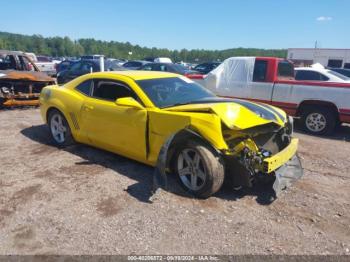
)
(128, 102)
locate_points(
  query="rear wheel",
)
(59, 128)
(199, 169)
(318, 120)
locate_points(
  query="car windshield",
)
(342, 77)
(43, 59)
(173, 91)
(179, 68)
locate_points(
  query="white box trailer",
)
(327, 57)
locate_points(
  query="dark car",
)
(205, 68)
(135, 65)
(84, 67)
(168, 67)
(64, 65)
(343, 71)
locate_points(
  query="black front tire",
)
(211, 164)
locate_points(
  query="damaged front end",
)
(262, 154)
(22, 88)
(254, 141)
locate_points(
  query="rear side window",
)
(310, 76)
(132, 64)
(156, 67)
(85, 87)
(147, 67)
(111, 91)
(285, 70)
(260, 69)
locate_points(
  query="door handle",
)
(88, 107)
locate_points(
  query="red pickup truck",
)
(321, 106)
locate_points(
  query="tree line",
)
(66, 47)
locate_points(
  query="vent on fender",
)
(74, 120)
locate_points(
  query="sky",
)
(191, 24)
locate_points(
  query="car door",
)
(119, 129)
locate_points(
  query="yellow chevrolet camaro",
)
(170, 122)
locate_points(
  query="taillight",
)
(194, 76)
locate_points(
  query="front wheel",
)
(59, 128)
(318, 121)
(199, 169)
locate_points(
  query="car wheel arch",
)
(319, 103)
(51, 109)
(168, 149)
(185, 135)
(68, 119)
(329, 112)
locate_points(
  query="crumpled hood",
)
(25, 75)
(238, 114)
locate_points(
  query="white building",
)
(325, 56)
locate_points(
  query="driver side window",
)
(111, 90)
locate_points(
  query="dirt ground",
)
(82, 200)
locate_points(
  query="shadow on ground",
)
(143, 174)
(341, 133)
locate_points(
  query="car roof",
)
(160, 63)
(139, 61)
(136, 74)
(7, 52)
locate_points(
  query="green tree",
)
(64, 46)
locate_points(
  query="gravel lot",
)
(82, 200)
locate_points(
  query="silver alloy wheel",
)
(58, 128)
(316, 122)
(191, 170)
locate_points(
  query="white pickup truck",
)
(321, 106)
(45, 64)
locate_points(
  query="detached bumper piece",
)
(274, 162)
(282, 169)
(286, 167)
(287, 174)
